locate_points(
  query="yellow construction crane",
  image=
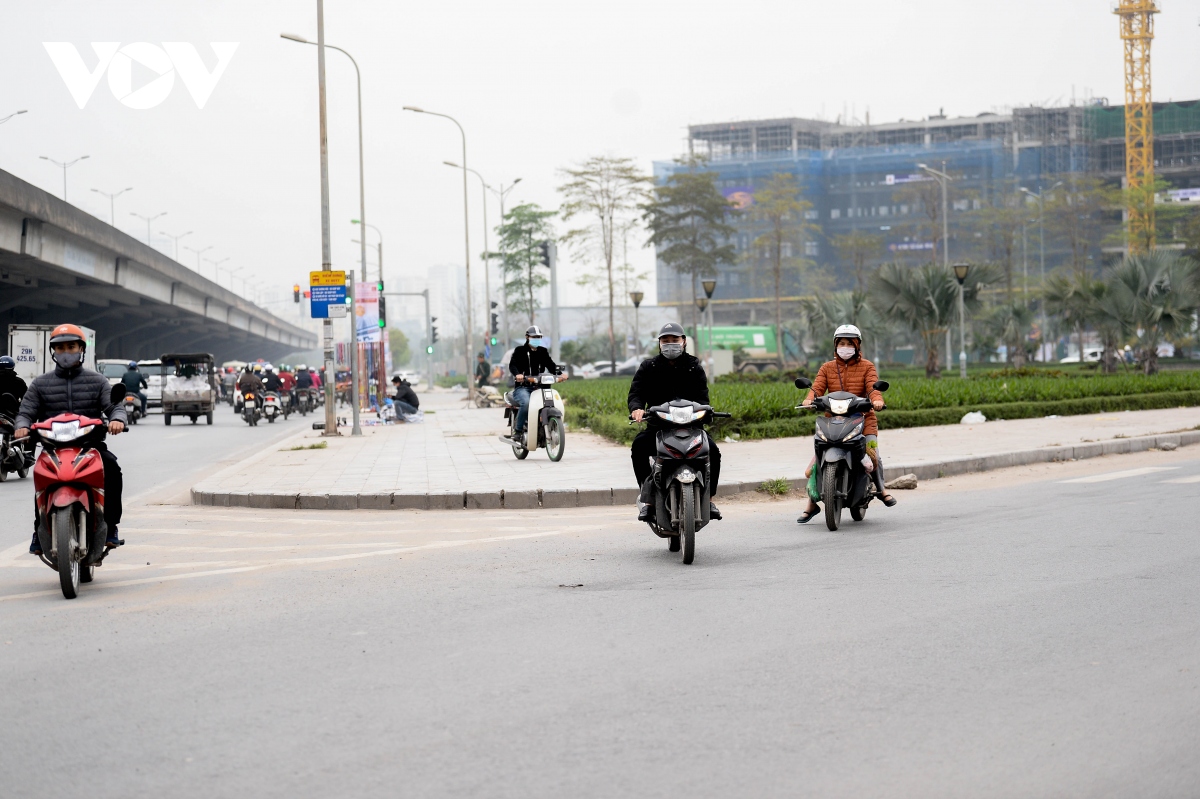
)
(1137, 29)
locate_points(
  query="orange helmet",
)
(65, 333)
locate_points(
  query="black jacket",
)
(77, 390)
(11, 383)
(660, 380)
(405, 393)
(134, 380)
(304, 379)
(272, 382)
(530, 361)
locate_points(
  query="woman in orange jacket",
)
(850, 371)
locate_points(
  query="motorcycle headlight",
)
(855, 430)
(67, 431)
(681, 415)
(839, 407)
(821, 433)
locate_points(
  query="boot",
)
(645, 501)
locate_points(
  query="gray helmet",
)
(671, 329)
(533, 332)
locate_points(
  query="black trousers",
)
(114, 484)
(644, 449)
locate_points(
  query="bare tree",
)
(599, 195)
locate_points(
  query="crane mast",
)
(1137, 30)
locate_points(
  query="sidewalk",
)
(455, 460)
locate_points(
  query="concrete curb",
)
(527, 499)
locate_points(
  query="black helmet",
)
(671, 329)
(533, 332)
(7, 364)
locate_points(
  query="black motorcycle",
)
(842, 476)
(680, 476)
(15, 456)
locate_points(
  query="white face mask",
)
(845, 353)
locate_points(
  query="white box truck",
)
(29, 346)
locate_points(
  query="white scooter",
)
(544, 425)
(272, 406)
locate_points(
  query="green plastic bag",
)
(813, 493)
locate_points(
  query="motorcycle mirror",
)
(881, 385)
(117, 395)
(803, 382)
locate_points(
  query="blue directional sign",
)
(327, 289)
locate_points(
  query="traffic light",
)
(433, 336)
(493, 341)
(544, 248)
(296, 293)
(495, 325)
(429, 349)
(382, 311)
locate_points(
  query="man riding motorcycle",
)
(10, 381)
(673, 374)
(850, 371)
(250, 382)
(72, 389)
(528, 361)
(272, 381)
(134, 382)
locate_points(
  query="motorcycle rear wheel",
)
(859, 513)
(68, 565)
(687, 531)
(833, 506)
(3, 475)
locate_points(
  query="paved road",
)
(997, 635)
(156, 458)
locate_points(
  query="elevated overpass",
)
(61, 264)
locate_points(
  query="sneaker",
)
(713, 513)
(35, 548)
(112, 542)
(645, 512)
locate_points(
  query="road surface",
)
(1028, 633)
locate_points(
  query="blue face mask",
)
(537, 342)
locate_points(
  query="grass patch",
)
(776, 487)
(318, 445)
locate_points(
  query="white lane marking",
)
(307, 561)
(1195, 478)
(1104, 478)
(13, 553)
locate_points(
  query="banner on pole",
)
(327, 290)
(366, 313)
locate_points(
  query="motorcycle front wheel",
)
(66, 529)
(687, 531)
(556, 439)
(833, 506)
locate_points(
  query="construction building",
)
(865, 177)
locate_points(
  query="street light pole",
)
(148, 220)
(112, 205)
(217, 271)
(466, 241)
(960, 274)
(943, 178)
(176, 240)
(64, 167)
(13, 114)
(1040, 198)
(709, 287)
(380, 371)
(362, 202)
(487, 253)
(501, 194)
(198, 254)
(636, 297)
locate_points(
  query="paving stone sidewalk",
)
(455, 459)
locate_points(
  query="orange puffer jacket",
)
(856, 376)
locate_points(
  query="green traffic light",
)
(382, 323)
(493, 341)
(429, 349)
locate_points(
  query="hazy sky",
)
(537, 85)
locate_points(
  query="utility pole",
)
(428, 326)
(943, 178)
(355, 430)
(326, 244)
(555, 338)
(502, 193)
(1040, 198)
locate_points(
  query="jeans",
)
(142, 396)
(521, 395)
(403, 407)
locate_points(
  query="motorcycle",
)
(272, 407)
(68, 484)
(133, 408)
(546, 407)
(285, 403)
(14, 457)
(304, 400)
(844, 467)
(680, 477)
(236, 401)
(251, 412)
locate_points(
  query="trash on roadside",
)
(904, 481)
(974, 417)
(1168, 446)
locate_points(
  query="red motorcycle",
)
(68, 485)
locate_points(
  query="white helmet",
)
(847, 331)
(301, 368)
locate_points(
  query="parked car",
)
(112, 368)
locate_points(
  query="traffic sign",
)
(327, 290)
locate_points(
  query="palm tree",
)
(1154, 296)
(925, 300)
(1072, 299)
(1010, 323)
(823, 314)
